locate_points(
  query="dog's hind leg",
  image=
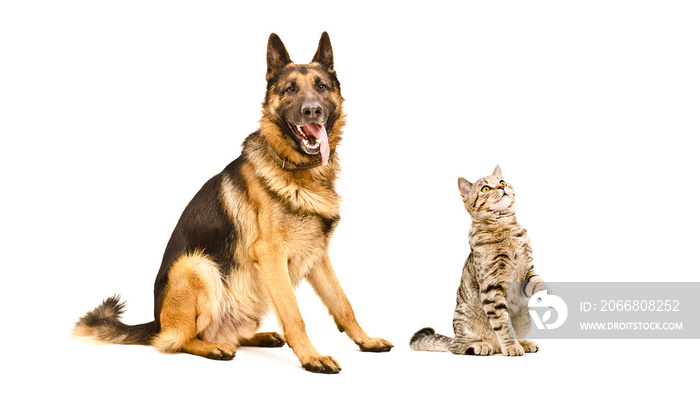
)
(264, 339)
(185, 302)
(215, 351)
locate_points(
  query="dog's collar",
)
(285, 164)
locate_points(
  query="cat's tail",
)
(103, 324)
(427, 340)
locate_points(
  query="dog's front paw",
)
(374, 345)
(322, 364)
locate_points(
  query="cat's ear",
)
(464, 187)
(497, 172)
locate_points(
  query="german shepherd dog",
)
(253, 232)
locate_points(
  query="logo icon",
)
(552, 302)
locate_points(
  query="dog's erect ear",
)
(277, 56)
(324, 53)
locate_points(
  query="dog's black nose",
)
(312, 110)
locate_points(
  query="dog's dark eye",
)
(322, 87)
(290, 89)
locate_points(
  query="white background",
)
(113, 114)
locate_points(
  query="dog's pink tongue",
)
(318, 131)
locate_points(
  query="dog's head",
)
(302, 112)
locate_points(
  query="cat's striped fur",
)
(490, 310)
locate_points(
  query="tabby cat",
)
(489, 314)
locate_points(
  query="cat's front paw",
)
(529, 346)
(513, 350)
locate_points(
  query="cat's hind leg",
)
(471, 347)
(471, 330)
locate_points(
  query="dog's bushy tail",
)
(103, 324)
(427, 340)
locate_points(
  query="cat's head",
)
(490, 194)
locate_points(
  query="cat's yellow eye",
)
(486, 189)
(503, 183)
